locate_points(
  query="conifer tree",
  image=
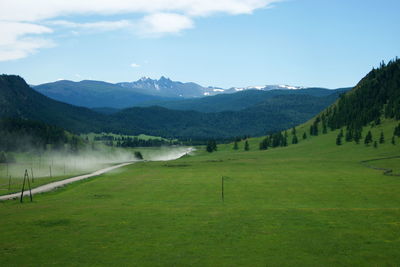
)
(349, 135)
(368, 138)
(138, 155)
(264, 144)
(235, 145)
(211, 146)
(304, 135)
(393, 141)
(375, 144)
(214, 145)
(294, 140)
(246, 146)
(381, 138)
(357, 135)
(284, 141)
(341, 133)
(339, 139)
(294, 131)
(397, 131)
(324, 128)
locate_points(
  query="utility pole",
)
(222, 188)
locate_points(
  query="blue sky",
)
(222, 43)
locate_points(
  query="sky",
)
(224, 43)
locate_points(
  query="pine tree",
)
(397, 131)
(294, 140)
(368, 138)
(375, 144)
(339, 139)
(138, 155)
(264, 144)
(324, 128)
(304, 135)
(210, 146)
(357, 135)
(393, 141)
(214, 145)
(294, 131)
(381, 138)
(341, 133)
(349, 135)
(235, 145)
(246, 146)
(284, 141)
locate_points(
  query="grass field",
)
(311, 204)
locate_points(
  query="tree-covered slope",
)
(24, 135)
(376, 95)
(238, 101)
(357, 114)
(18, 100)
(271, 115)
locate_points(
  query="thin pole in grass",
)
(7, 168)
(222, 188)
(9, 183)
(33, 179)
(51, 176)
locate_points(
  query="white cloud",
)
(17, 39)
(163, 23)
(20, 19)
(96, 26)
(36, 10)
(135, 65)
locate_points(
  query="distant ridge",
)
(95, 94)
(144, 92)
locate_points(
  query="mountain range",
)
(259, 116)
(144, 92)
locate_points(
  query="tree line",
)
(19, 135)
(128, 141)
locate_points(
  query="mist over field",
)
(53, 164)
(167, 153)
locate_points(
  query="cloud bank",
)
(24, 24)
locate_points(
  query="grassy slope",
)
(307, 204)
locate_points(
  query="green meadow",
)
(310, 204)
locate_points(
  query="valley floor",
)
(311, 204)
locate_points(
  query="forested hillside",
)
(241, 100)
(24, 135)
(18, 100)
(376, 95)
(375, 98)
(269, 116)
